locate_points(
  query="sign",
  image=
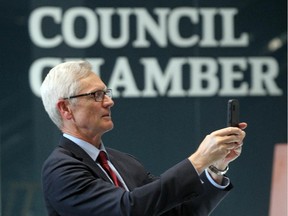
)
(170, 30)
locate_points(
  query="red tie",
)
(102, 159)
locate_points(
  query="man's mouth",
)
(106, 115)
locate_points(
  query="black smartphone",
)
(233, 113)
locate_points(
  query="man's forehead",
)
(94, 82)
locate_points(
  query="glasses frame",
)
(107, 92)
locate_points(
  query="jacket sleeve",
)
(205, 203)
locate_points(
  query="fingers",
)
(235, 139)
(238, 150)
(229, 141)
(227, 131)
(231, 130)
(230, 135)
(222, 145)
(242, 125)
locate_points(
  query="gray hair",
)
(62, 81)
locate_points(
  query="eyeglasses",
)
(98, 95)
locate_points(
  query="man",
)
(76, 182)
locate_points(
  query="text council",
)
(163, 26)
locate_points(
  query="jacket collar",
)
(81, 155)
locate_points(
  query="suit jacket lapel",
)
(119, 167)
(81, 155)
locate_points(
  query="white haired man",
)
(77, 182)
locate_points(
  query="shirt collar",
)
(91, 150)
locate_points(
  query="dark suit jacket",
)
(74, 185)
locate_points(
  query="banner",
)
(162, 30)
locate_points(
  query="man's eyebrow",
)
(99, 89)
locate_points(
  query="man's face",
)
(91, 118)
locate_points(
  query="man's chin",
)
(109, 128)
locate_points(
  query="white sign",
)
(138, 28)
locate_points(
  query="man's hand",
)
(219, 148)
(233, 154)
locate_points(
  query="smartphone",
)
(233, 113)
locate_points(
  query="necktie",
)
(102, 159)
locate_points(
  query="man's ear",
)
(64, 109)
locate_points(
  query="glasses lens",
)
(109, 93)
(99, 95)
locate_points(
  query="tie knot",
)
(102, 157)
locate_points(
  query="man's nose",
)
(107, 101)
